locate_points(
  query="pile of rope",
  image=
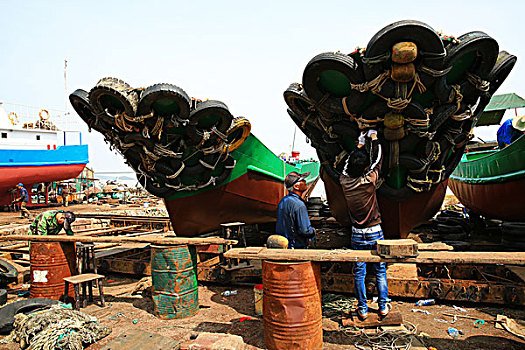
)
(386, 340)
(56, 328)
(336, 305)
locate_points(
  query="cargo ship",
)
(422, 91)
(33, 151)
(206, 165)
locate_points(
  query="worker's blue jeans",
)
(367, 241)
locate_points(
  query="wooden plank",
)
(342, 255)
(166, 240)
(85, 277)
(373, 320)
(105, 231)
(434, 246)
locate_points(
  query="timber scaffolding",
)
(437, 272)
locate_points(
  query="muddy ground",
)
(219, 314)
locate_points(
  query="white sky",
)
(244, 53)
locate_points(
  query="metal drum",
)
(50, 263)
(174, 277)
(292, 305)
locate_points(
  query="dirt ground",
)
(219, 314)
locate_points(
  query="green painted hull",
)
(492, 183)
(250, 194)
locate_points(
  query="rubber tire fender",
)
(8, 312)
(330, 61)
(376, 110)
(119, 93)
(424, 36)
(164, 91)
(327, 165)
(346, 128)
(224, 175)
(484, 46)
(414, 164)
(501, 70)
(297, 100)
(209, 108)
(149, 186)
(80, 101)
(7, 270)
(234, 139)
(415, 111)
(138, 138)
(309, 129)
(513, 228)
(3, 296)
(440, 115)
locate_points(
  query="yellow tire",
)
(238, 132)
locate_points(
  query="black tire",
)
(449, 229)
(501, 70)
(429, 44)
(376, 110)
(7, 270)
(8, 312)
(309, 129)
(346, 129)
(80, 102)
(217, 111)
(414, 164)
(166, 100)
(513, 229)
(341, 70)
(415, 111)
(297, 100)
(153, 187)
(114, 95)
(441, 115)
(136, 137)
(3, 296)
(483, 48)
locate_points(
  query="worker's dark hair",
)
(357, 163)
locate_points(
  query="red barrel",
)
(50, 263)
(292, 305)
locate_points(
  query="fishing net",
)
(56, 328)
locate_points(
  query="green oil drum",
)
(174, 277)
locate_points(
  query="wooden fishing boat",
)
(421, 91)
(205, 164)
(491, 182)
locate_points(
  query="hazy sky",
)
(244, 53)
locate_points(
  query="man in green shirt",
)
(51, 222)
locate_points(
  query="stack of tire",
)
(423, 93)
(513, 235)
(453, 228)
(173, 143)
(314, 205)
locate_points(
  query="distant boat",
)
(491, 182)
(34, 152)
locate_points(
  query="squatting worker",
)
(51, 222)
(23, 199)
(510, 131)
(292, 215)
(359, 180)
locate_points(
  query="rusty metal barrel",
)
(292, 305)
(50, 263)
(174, 278)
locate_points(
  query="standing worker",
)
(51, 222)
(23, 199)
(510, 131)
(359, 180)
(65, 194)
(292, 215)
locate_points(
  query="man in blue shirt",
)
(292, 215)
(23, 199)
(510, 131)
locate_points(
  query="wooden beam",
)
(167, 240)
(102, 230)
(342, 255)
